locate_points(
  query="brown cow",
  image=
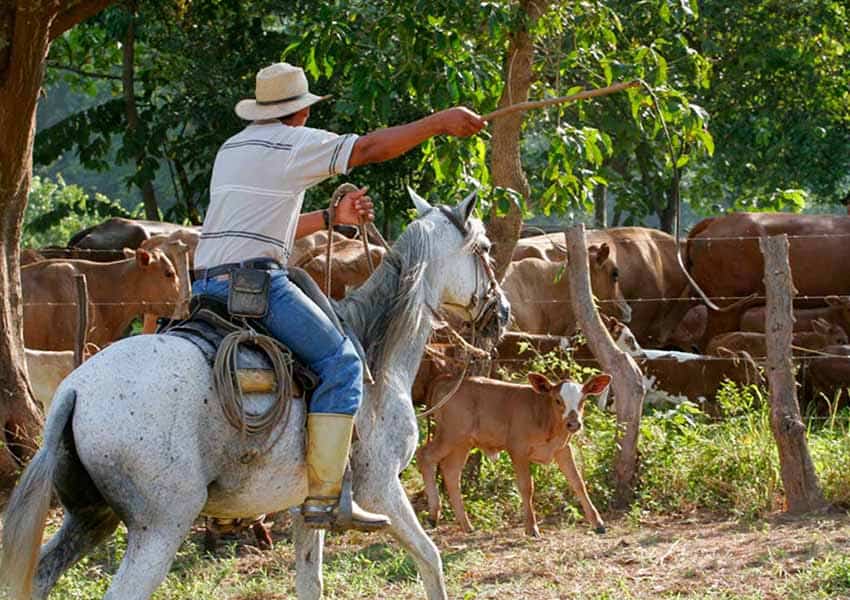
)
(734, 267)
(118, 292)
(540, 302)
(350, 267)
(166, 242)
(650, 276)
(533, 423)
(837, 311)
(309, 246)
(754, 343)
(826, 376)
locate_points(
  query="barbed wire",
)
(74, 304)
(541, 239)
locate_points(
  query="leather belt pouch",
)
(249, 293)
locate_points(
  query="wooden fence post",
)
(180, 252)
(802, 490)
(82, 319)
(627, 380)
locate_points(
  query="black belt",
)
(263, 264)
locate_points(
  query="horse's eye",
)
(615, 274)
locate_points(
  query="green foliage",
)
(770, 75)
(56, 211)
(778, 100)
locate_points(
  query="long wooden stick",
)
(532, 104)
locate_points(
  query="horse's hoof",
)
(600, 529)
(533, 532)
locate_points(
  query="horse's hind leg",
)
(152, 541)
(81, 531)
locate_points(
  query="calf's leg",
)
(452, 469)
(567, 464)
(427, 459)
(526, 492)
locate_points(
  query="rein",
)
(366, 230)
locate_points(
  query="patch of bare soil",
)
(698, 556)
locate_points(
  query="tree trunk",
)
(802, 490)
(627, 379)
(667, 213)
(191, 210)
(600, 206)
(128, 79)
(20, 81)
(26, 30)
(506, 165)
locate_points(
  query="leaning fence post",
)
(802, 490)
(82, 319)
(627, 381)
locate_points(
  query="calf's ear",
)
(144, 258)
(596, 384)
(539, 382)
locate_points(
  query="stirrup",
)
(340, 514)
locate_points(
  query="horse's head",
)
(461, 270)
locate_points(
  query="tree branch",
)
(73, 12)
(55, 65)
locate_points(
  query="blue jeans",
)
(305, 329)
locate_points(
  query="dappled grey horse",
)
(136, 434)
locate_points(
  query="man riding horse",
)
(256, 194)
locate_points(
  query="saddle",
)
(209, 322)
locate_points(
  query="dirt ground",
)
(696, 556)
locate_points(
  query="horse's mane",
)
(386, 330)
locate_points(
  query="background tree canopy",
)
(754, 96)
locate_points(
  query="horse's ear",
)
(419, 202)
(467, 205)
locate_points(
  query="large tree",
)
(27, 27)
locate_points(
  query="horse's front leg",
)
(309, 545)
(388, 497)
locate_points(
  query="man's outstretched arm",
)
(389, 143)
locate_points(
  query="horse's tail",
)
(23, 523)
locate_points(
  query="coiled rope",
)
(232, 398)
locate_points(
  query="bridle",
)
(481, 319)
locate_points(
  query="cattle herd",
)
(685, 351)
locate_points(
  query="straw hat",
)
(281, 90)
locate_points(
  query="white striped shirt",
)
(257, 189)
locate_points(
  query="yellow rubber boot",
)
(328, 444)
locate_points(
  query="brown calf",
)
(118, 291)
(534, 423)
(823, 334)
(836, 311)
